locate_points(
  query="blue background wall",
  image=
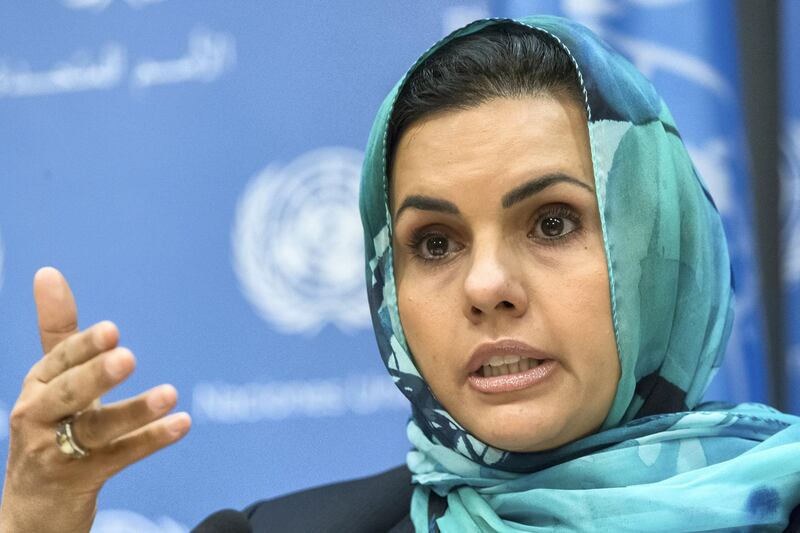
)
(790, 175)
(191, 168)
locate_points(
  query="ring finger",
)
(96, 428)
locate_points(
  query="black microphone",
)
(225, 521)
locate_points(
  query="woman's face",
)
(500, 270)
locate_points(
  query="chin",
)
(523, 444)
(534, 435)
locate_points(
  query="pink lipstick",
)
(508, 365)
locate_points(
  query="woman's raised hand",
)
(45, 489)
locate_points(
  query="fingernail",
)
(178, 423)
(116, 366)
(158, 399)
(156, 402)
(101, 335)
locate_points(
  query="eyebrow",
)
(427, 203)
(537, 185)
(516, 195)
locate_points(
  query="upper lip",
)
(485, 351)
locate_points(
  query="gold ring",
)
(66, 443)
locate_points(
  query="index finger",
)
(55, 307)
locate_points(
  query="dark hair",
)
(505, 60)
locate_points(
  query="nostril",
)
(506, 304)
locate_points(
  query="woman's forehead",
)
(493, 146)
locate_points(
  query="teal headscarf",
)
(660, 461)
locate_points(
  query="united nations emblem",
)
(125, 521)
(297, 243)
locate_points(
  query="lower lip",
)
(513, 382)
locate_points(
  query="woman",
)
(552, 298)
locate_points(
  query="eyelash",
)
(419, 236)
(557, 211)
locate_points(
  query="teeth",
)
(500, 360)
(498, 367)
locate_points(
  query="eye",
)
(556, 222)
(437, 245)
(432, 245)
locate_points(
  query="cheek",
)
(425, 317)
(431, 319)
(576, 281)
(581, 301)
(587, 297)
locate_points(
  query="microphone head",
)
(225, 521)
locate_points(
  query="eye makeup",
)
(561, 220)
(432, 245)
(553, 225)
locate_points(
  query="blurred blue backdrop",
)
(790, 177)
(192, 167)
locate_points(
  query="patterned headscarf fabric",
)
(661, 461)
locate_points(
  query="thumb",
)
(55, 307)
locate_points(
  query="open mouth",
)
(520, 372)
(508, 365)
(501, 365)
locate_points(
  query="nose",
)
(493, 286)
